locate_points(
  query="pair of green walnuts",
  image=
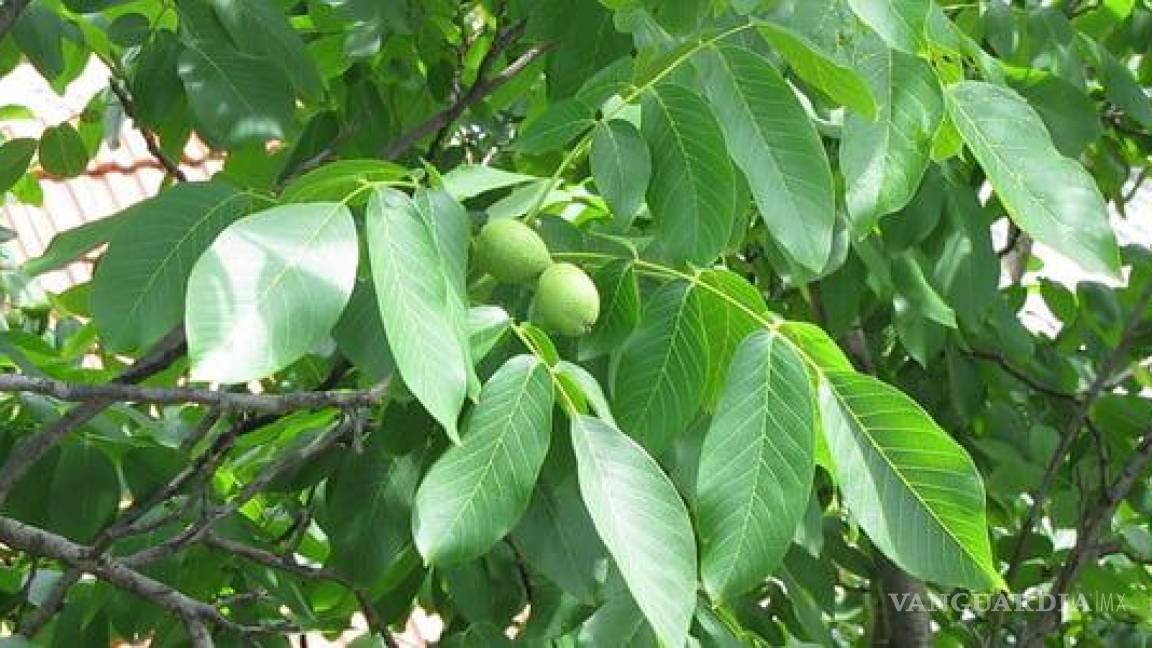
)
(566, 300)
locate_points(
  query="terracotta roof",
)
(121, 174)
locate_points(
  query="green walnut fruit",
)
(566, 300)
(511, 251)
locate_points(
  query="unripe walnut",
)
(511, 251)
(566, 301)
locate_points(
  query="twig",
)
(10, 12)
(287, 461)
(234, 401)
(150, 140)
(482, 88)
(1035, 384)
(27, 453)
(51, 603)
(287, 564)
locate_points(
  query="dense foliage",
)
(745, 369)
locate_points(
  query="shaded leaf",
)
(619, 308)
(235, 98)
(62, 152)
(15, 155)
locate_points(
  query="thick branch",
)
(38, 542)
(235, 401)
(9, 13)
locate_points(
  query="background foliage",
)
(288, 396)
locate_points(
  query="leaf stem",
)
(585, 140)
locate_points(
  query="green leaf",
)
(819, 68)
(261, 27)
(85, 492)
(589, 387)
(911, 284)
(556, 127)
(138, 288)
(451, 229)
(692, 195)
(62, 152)
(619, 308)
(621, 167)
(618, 623)
(678, 16)
(558, 539)
(912, 488)
(42, 36)
(659, 374)
(775, 144)
(470, 180)
(269, 289)
(1121, 86)
(476, 491)
(69, 245)
(1071, 116)
(426, 342)
(643, 522)
(366, 508)
(360, 336)
(486, 326)
(732, 308)
(235, 98)
(758, 456)
(15, 155)
(901, 23)
(883, 160)
(336, 180)
(1049, 196)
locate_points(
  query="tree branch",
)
(483, 87)
(1087, 546)
(286, 462)
(287, 564)
(234, 401)
(150, 140)
(1103, 375)
(30, 450)
(1036, 385)
(38, 542)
